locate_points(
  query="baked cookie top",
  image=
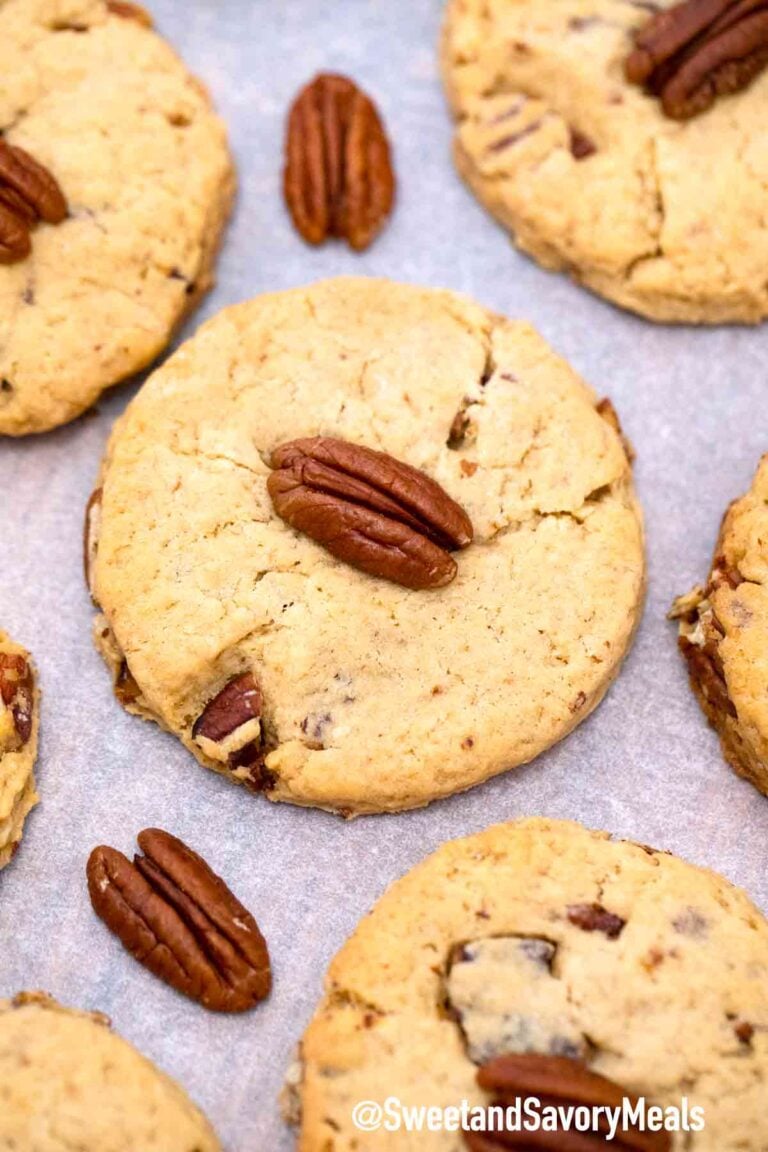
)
(374, 696)
(19, 723)
(662, 217)
(104, 103)
(68, 1082)
(543, 937)
(724, 634)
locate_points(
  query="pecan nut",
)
(230, 729)
(697, 50)
(28, 193)
(181, 921)
(595, 918)
(558, 1080)
(17, 697)
(338, 178)
(369, 510)
(129, 11)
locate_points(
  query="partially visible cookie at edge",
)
(724, 634)
(542, 939)
(583, 168)
(283, 666)
(95, 95)
(19, 723)
(67, 1081)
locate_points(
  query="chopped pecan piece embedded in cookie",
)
(338, 178)
(595, 918)
(370, 510)
(230, 729)
(181, 921)
(556, 1080)
(17, 693)
(698, 50)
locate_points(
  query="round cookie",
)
(104, 103)
(724, 634)
(540, 937)
(374, 697)
(19, 722)
(665, 218)
(68, 1082)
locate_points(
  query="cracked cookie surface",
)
(19, 723)
(664, 218)
(105, 104)
(486, 948)
(370, 696)
(724, 635)
(69, 1084)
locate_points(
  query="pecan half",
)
(181, 921)
(369, 510)
(557, 1080)
(338, 178)
(17, 693)
(692, 53)
(28, 193)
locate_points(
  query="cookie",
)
(285, 667)
(542, 939)
(19, 722)
(591, 177)
(98, 98)
(68, 1082)
(724, 633)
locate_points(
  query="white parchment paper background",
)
(644, 766)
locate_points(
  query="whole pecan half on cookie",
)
(370, 510)
(28, 193)
(698, 50)
(558, 1080)
(181, 921)
(338, 178)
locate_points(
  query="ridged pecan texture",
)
(557, 1081)
(338, 178)
(28, 193)
(690, 54)
(181, 921)
(369, 510)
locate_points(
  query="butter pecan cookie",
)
(538, 958)
(724, 634)
(582, 151)
(138, 182)
(361, 545)
(19, 720)
(68, 1082)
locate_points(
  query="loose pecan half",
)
(369, 510)
(338, 178)
(28, 193)
(557, 1080)
(181, 921)
(17, 693)
(692, 53)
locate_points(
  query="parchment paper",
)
(645, 765)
